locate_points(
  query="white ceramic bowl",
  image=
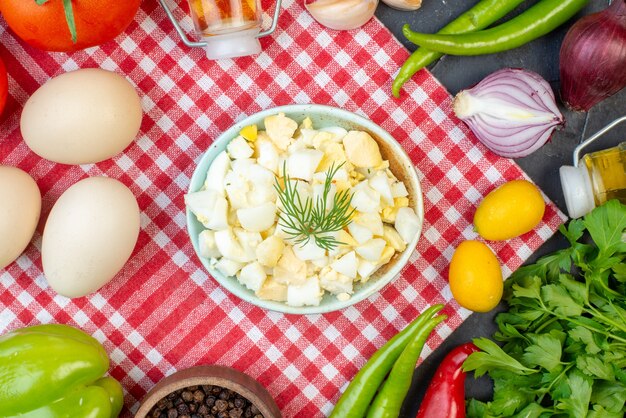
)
(322, 116)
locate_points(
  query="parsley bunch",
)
(564, 336)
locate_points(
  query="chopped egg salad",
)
(253, 236)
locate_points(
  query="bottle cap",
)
(577, 190)
(233, 44)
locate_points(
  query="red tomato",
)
(4, 86)
(45, 27)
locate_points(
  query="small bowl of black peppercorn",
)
(209, 391)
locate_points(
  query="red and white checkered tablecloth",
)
(163, 312)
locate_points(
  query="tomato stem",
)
(69, 16)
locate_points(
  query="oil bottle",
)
(596, 177)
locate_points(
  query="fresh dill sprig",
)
(303, 220)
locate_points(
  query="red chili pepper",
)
(445, 396)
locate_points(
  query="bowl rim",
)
(215, 375)
(333, 112)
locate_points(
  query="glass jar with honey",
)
(596, 177)
(227, 28)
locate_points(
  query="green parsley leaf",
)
(476, 409)
(573, 231)
(593, 366)
(577, 404)
(492, 357)
(534, 410)
(600, 412)
(559, 300)
(577, 290)
(585, 336)
(531, 288)
(512, 392)
(606, 224)
(619, 272)
(610, 395)
(545, 352)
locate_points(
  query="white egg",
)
(257, 219)
(380, 183)
(217, 172)
(82, 117)
(407, 224)
(90, 233)
(372, 249)
(360, 233)
(302, 164)
(20, 207)
(307, 293)
(252, 276)
(346, 265)
(207, 246)
(308, 251)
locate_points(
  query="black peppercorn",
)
(198, 396)
(236, 413)
(221, 405)
(183, 409)
(187, 396)
(204, 401)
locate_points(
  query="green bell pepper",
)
(54, 371)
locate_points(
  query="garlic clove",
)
(342, 14)
(404, 5)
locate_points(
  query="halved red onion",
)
(513, 112)
(593, 58)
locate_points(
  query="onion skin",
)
(513, 112)
(593, 58)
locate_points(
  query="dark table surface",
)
(456, 73)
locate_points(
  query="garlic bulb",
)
(407, 5)
(342, 14)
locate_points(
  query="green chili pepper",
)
(538, 20)
(56, 371)
(478, 17)
(360, 392)
(388, 401)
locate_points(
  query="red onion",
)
(593, 58)
(512, 111)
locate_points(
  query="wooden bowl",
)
(225, 377)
